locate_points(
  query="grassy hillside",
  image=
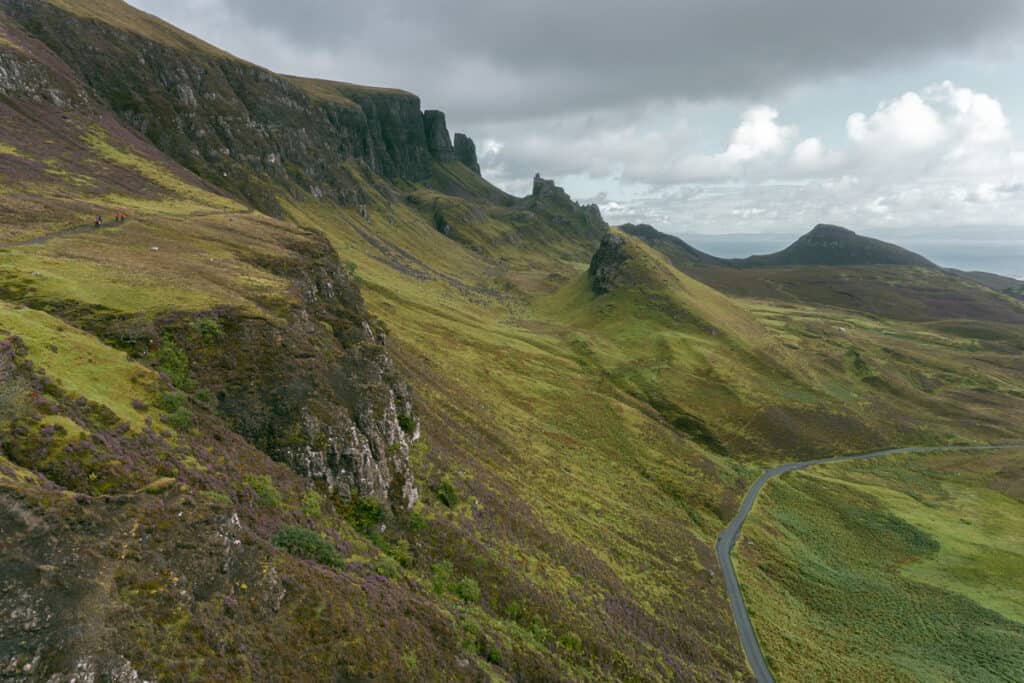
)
(394, 431)
(904, 569)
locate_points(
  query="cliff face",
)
(608, 263)
(321, 392)
(439, 142)
(465, 151)
(237, 125)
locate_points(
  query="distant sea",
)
(1000, 256)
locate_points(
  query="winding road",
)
(727, 540)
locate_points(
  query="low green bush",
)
(447, 493)
(387, 566)
(313, 504)
(265, 490)
(467, 589)
(407, 423)
(307, 544)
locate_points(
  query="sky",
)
(902, 120)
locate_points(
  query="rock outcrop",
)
(547, 189)
(608, 263)
(319, 393)
(465, 151)
(439, 142)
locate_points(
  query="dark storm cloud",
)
(509, 58)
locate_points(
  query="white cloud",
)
(942, 156)
(904, 123)
(758, 135)
(979, 116)
(809, 153)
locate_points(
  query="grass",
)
(584, 450)
(189, 197)
(902, 569)
(489, 357)
(80, 362)
(112, 12)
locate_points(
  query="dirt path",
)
(92, 227)
(727, 540)
(67, 232)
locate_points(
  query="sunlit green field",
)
(908, 568)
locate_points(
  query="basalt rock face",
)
(465, 151)
(236, 125)
(319, 392)
(439, 142)
(547, 189)
(582, 222)
(32, 72)
(608, 264)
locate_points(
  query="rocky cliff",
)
(608, 263)
(239, 126)
(439, 142)
(465, 151)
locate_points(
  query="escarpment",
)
(239, 126)
(316, 390)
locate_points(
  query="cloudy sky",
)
(698, 116)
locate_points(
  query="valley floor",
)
(904, 568)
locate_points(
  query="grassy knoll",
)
(906, 568)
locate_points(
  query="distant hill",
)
(825, 245)
(1000, 283)
(678, 252)
(835, 266)
(830, 245)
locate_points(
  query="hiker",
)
(99, 221)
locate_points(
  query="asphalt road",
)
(727, 540)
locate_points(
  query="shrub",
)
(217, 497)
(540, 632)
(366, 514)
(417, 522)
(570, 642)
(307, 544)
(180, 419)
(170, 401)
(487, 649)
(385, 565)
(514, 610)
(447, 493)
(468, 589)
(410, 661)
(401, 552)
(173, 362)
(265, 490)
(407, 423)
(209, 329)
(313, 504)
(441, 576)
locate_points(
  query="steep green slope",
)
(400, 431)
